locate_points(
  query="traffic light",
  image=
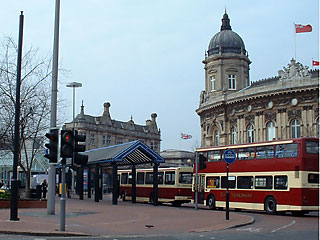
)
(202, 162)
(52, 146)
(66, 146)
(79, 159)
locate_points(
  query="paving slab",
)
(86, 217)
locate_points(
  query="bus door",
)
(201, 189)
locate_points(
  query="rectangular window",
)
(245, 182)
(246, 153)
(232, 182)
(92, 139)
(119, 140)
(280, 182)
(124, 178)
(313, 178)
(213, 182)
(185, 178)
(149, 178)
(170, 178)
(287, 150)
(312, 147)
(160, 177)
(232, 81)
(104, 142)
(263, 182)
(214, 156)
(264, 152)
(140, 178)
(213, 83)
(108, 143)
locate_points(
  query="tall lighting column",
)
(74, 85)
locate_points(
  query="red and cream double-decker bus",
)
(174, 185)
(272, 176)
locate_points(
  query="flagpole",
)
(295, 48)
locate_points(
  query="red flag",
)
(315, 63)
(185, 136)
(303, 28)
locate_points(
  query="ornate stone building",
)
(102, 131)
(233, 111)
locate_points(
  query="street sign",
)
(229, 156)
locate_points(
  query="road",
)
(275, 227)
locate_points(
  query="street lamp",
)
(74, 85)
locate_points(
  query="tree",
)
(35, 102)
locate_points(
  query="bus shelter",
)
(126, 154)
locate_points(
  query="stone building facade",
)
(233, 111)
(102, 131)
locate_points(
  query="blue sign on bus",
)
(229, 156)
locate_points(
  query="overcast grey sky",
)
(145, 56)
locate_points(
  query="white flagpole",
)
(295, 49)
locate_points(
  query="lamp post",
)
(63, 162)
(73, 85)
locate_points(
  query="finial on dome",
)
(225, 22)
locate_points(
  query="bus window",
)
(245, 182)
(185, 178)
(287, 150)
(232, 182)
(312, 147)
(263, 182)
(130, 178)
(313, 178)
(213, 182)
(149, 178)
(246, 153)
(169, 178)
(160, 177)
(214, 156)
(124, 178)
(140, 178)
(264, 152)
(280, 182)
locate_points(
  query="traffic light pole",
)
(63, 196)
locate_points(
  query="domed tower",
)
(226, 72)
(226, 62)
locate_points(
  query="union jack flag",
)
(186, 136)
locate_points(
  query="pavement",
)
(89, 218)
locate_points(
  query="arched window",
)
(213, 83)
(250, 132)
(318, 128)
(216, 137)
(295, 128)
(271, 131)
(233, 135)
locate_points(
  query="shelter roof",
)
(135, 152)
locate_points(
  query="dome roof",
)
(229, 41)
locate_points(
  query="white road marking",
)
(249, 229)
(292, 223)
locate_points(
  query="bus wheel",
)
(212, 202)
(270, 205)
(123, 196)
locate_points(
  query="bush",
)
(4, 194)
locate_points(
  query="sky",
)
(145, 56)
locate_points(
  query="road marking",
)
(249, 229)
(292, 223)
